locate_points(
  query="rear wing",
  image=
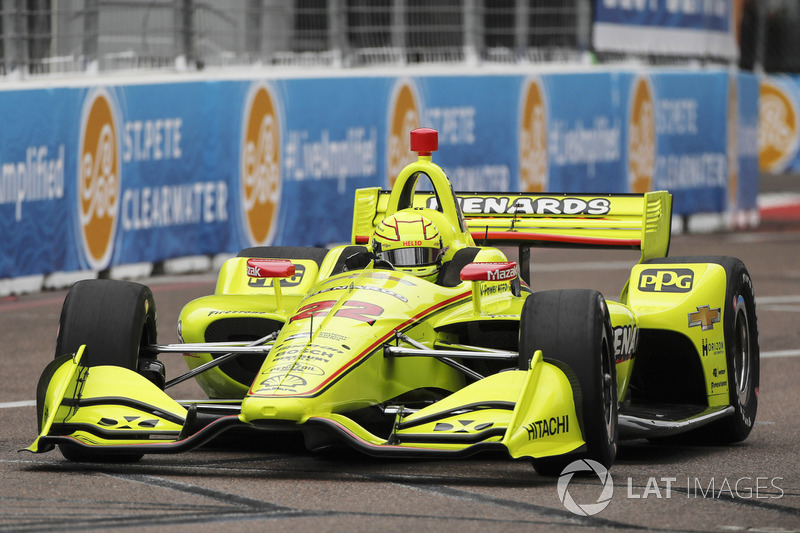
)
(621, 221)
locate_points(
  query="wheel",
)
(114, 319)
(573, 330)
(740, 327)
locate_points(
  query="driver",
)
(410, 242)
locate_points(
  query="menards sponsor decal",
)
(523, 205)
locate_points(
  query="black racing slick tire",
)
(573, 330)
(114, 319)
(740, 326)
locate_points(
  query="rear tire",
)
(573, 330)
(114, 319)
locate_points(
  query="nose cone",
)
(259, 409)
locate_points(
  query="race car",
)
(455, 355)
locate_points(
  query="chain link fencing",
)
(88, 36)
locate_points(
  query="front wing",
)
(113, 410)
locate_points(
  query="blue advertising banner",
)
(691, 135)
(585, 150)
(175, 155)
(674, 27)
(330, 146)
(153, 178)
(100, 176)
(475, 118)
(779, 124)
(745, 185)
(36, 161)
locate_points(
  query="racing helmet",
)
(410, 242)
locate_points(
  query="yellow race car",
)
(414, 341)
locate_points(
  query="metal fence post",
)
(473, 33)
(521, 21)
(337, 32)
(760, 37)
(39, 34)
(277, 28)
(583, 31)
(3, 34)
(399, 28)
(187, 33)
(91, 30)
(17, 38)
(253, 28)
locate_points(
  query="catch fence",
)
(40, 37)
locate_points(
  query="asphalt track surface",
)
(239, 484)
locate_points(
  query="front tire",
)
(114, 319)
(573, 330)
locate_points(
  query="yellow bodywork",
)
(130, 409)
(661, 303)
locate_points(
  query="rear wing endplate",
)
(621, 221)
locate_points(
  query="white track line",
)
(789, 304)
(777, 299)
(780, 353)
(23, 403)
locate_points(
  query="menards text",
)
(487, 205)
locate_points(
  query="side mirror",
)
(489, 271)
(478, 272)
(271, 268)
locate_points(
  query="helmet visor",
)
(410, 257)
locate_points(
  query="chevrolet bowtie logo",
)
(705, 317)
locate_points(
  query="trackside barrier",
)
(779, 124)
(120, 176)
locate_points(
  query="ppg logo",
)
(672, 280)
